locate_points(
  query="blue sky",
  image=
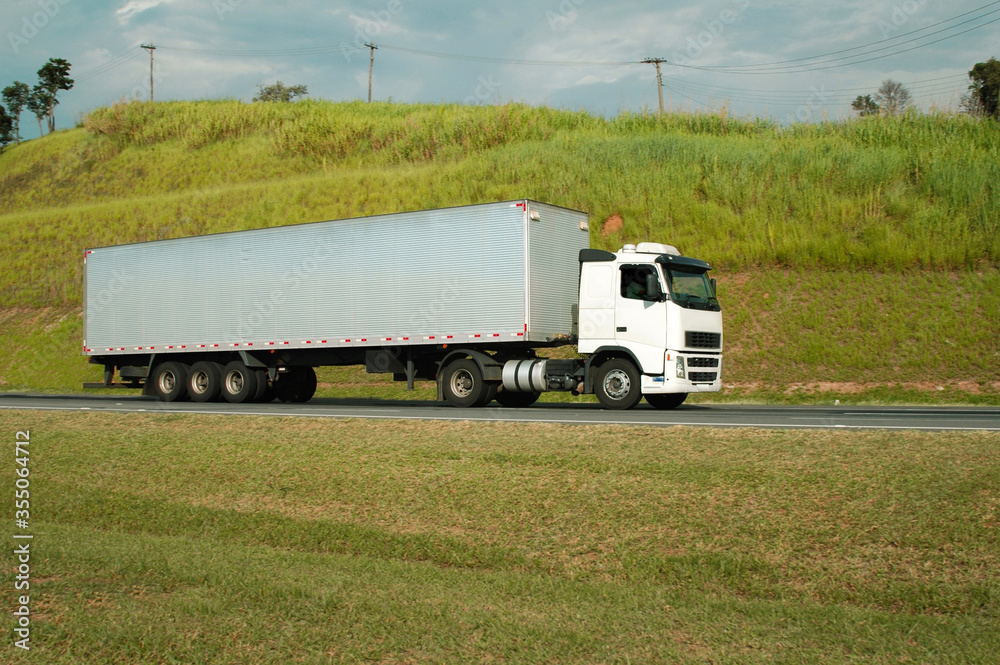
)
(719, 51)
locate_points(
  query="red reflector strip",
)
(364, 340)
(406, 339)
(347, 341)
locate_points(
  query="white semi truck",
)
(462, 296)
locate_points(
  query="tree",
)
(15, 96)
(39, 103)
(865, 105)
(6, 128)
(279, 92)
(892, 97)
(984, 91)
(53, 77)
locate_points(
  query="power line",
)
(812, 67)
(864, 46)
(512, 61)
(113, 63)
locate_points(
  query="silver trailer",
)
(388, 291)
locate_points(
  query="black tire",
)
(463, 384)
(239, 383)
(204, 382)
(169, 381)
(667, 400)
(296, 385)
(618, 384)
(262, 385)
(516, 400)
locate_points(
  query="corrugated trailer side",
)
(499, 271)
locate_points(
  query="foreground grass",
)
(234, 539)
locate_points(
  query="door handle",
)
(622, 328)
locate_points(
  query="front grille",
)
(702, 377)
(703, 362)
(702, 340)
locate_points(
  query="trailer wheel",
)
(516, 400)
(666, 401)
(204, 383)
(618, 384)
(463, 384)
(170, 381)
(296, 385)
(239, 383)
(262, 385)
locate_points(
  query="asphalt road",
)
(771, 417)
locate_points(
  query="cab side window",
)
(633, 283)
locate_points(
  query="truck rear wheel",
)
(204, 382)
(463, 384)
(239, 383)
(666, 401)
(618, 384)
(169, 381)
(298, 384)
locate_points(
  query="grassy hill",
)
(858, 257)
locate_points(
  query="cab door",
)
(641, 318)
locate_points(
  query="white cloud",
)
(133, 7)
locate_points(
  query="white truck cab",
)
(650, 307)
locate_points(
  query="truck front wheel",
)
(170, 381)
(618, 384)
(463, 384)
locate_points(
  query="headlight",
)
(680, 367)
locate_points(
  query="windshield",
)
(692, 290)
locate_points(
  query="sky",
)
(791, 61)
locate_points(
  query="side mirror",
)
(653, 291)
(715, 293)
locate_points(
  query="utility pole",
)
(149, 47)
(659, 78)
(371, 65)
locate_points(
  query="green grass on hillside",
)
(251, 540)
